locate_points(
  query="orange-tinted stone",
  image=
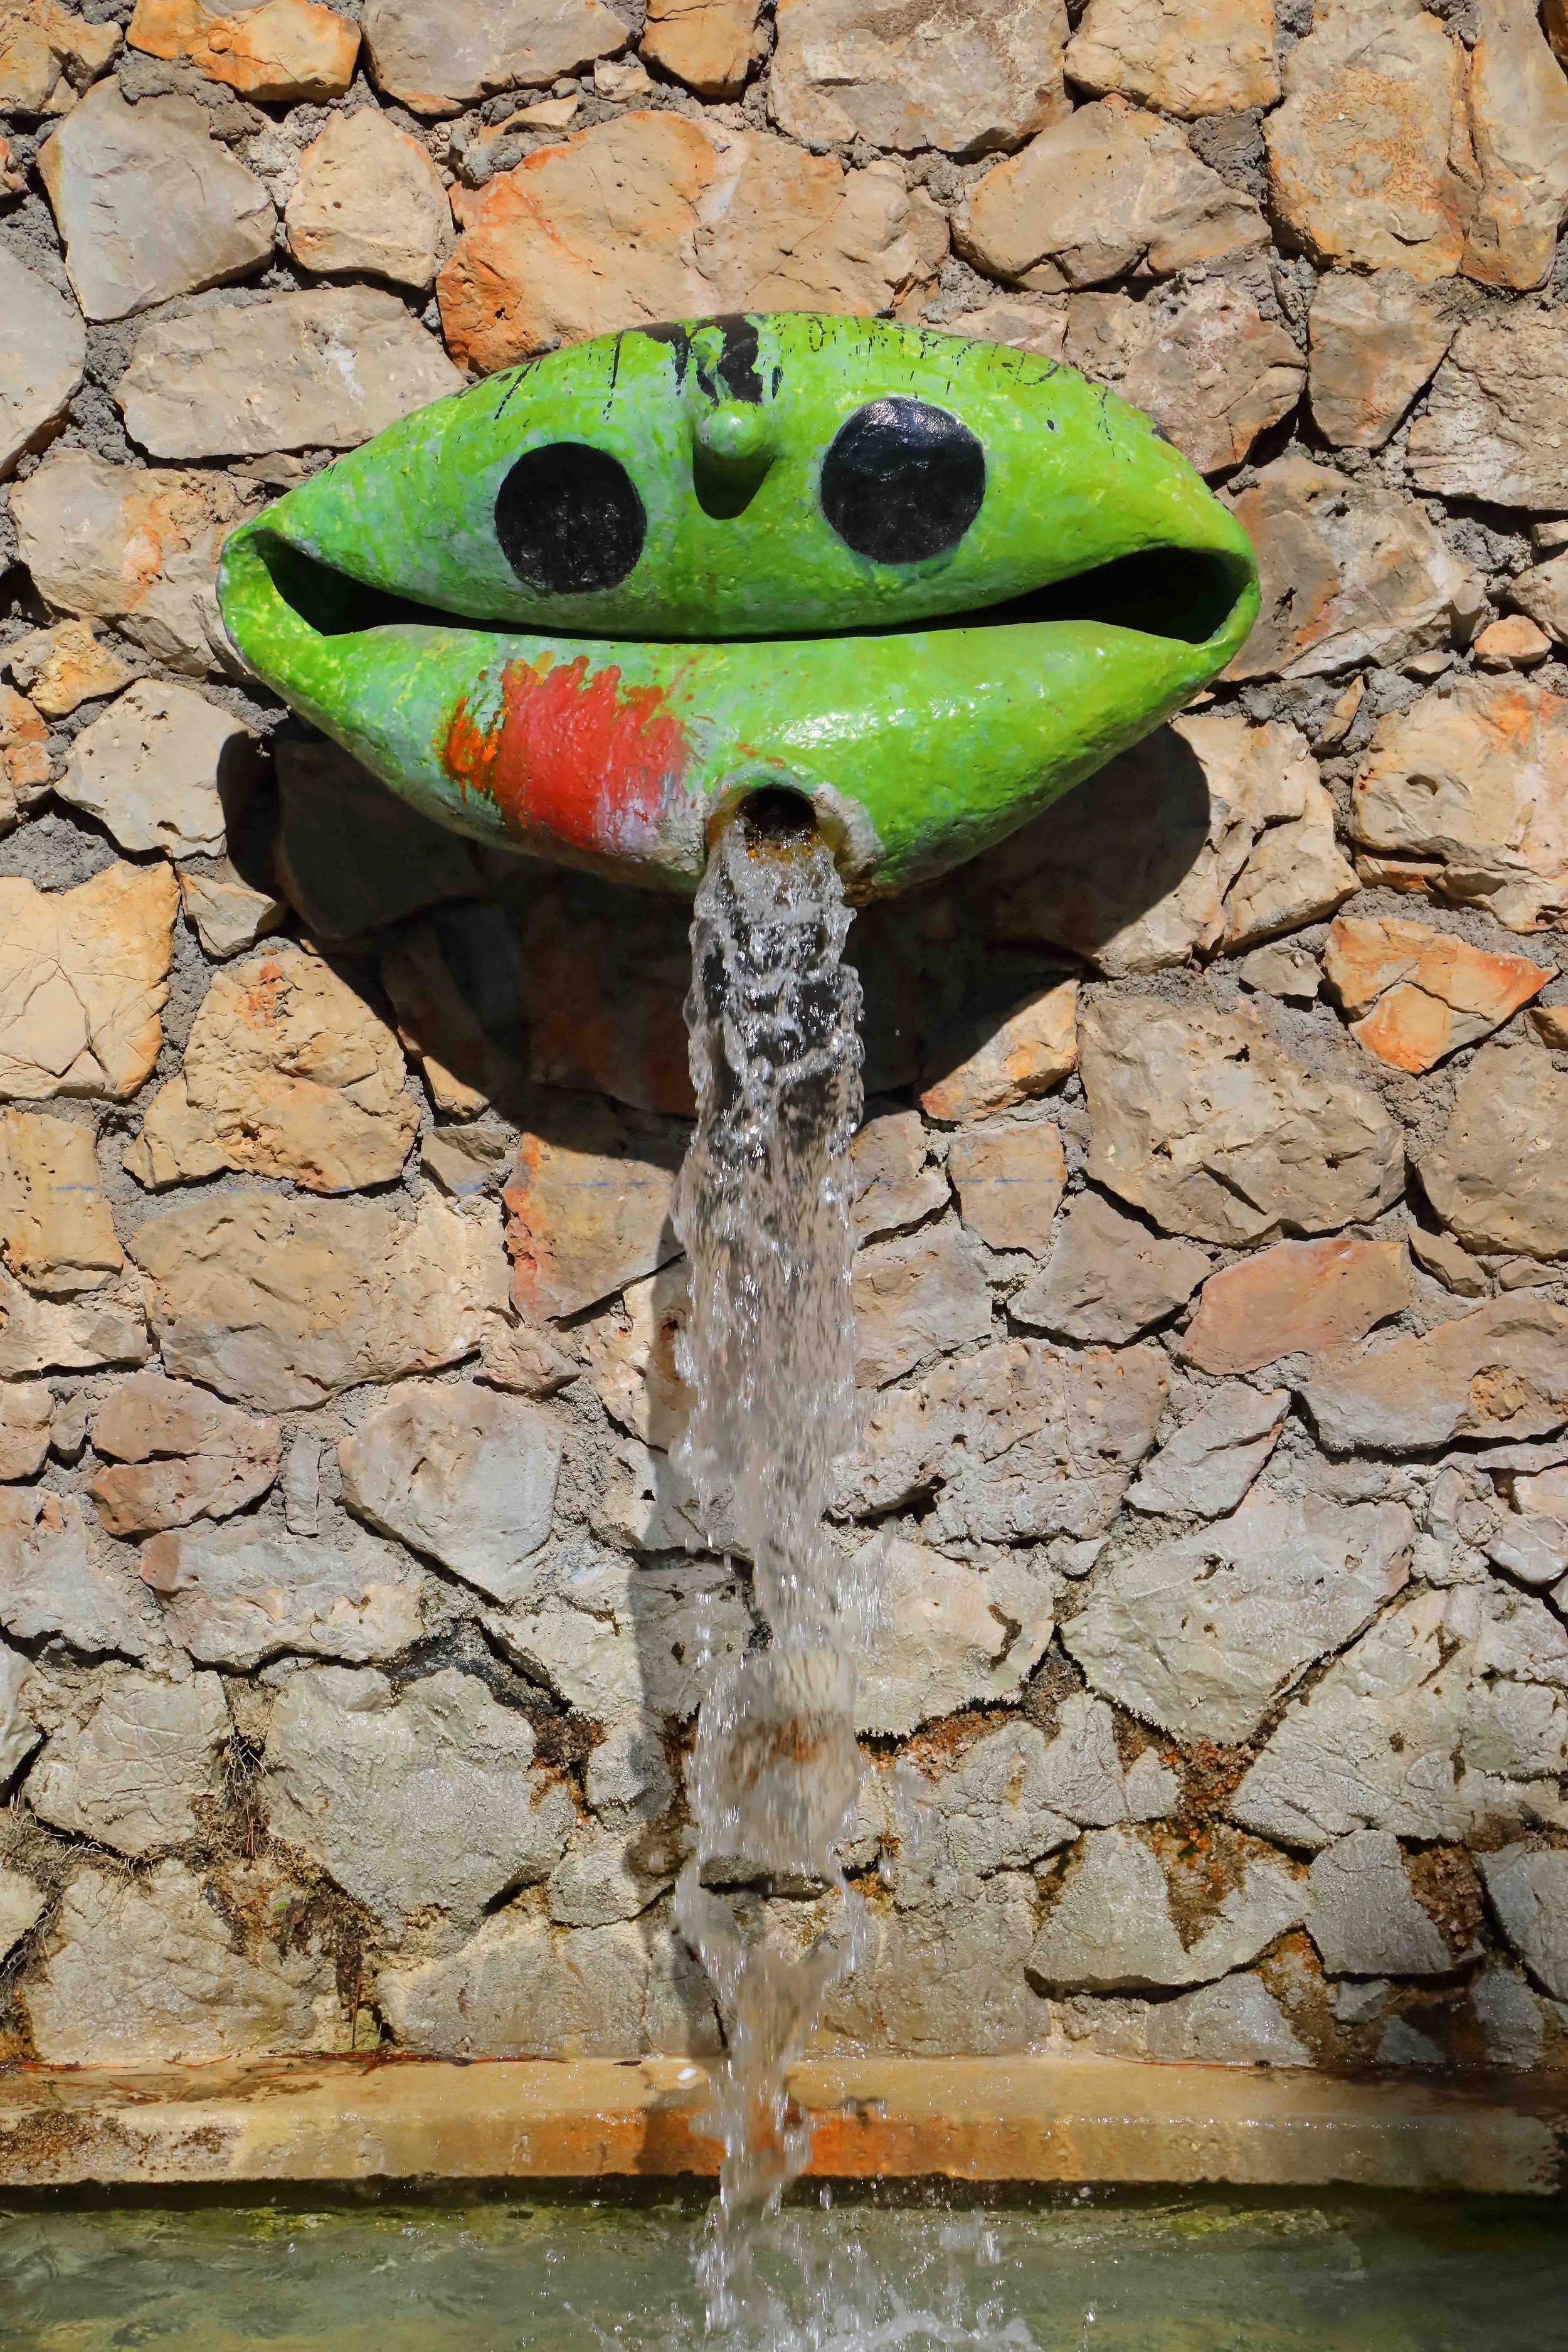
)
(1297, 1297)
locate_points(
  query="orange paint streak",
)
(575, 756)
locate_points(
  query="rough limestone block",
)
(1349, 573)
(1375, 342)
(56, 1335)
(1527, 1889)
(1107, 191)
(1518, 125)
(421, 1800)
(948, 1977)
(1499, 1373)
(1110, 1929)
(987, 77)
(1211, 833)
(143, 1970)
(989, 1065)
(895, 1183)
(324, 370)
(1365, 1919)
(1202, 1120)
(1204, 365)
(83, 979)
(1491, 430)
(61, 668)
(287, 1072)
(1212, 1460)
(369, 198)
(438, 64)
(175, 1454)
(56, 1232)
(43, 347)
(130, 1775)
(19, 1731)
(228, 914)
(1474, 785)
(1208, 57)
(151, 769)
(241, 1594)
(49, 54)
(524, 1989)
(614, 1639)
(281, 1303)
(1421, 995)
(1367, 164)
(1009, 1183)
(590, 1208)
(945, 1637)
(462, 1473)
(1296, 1298)
(917, 1296)
(1495, 1175)
(1050, 1441)
(1235, 2022)
(706, 44)
(150, 204)
(725, 220)
(629, 1352)
(1206, 1632)
(1107, 1278)
(1450, 1711)
(285, 49)
(137, 548)
(26, 1417)
(52, 1581)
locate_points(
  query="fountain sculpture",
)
(790, 612)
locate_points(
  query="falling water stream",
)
(765, 1214)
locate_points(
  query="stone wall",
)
(1213, 1207)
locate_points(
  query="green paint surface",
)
(924, 709)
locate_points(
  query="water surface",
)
(1204, 2271)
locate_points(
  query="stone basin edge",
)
(1015, 2120)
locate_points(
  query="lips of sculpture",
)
(918, 749)
(557, 610)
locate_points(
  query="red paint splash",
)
(575, 756)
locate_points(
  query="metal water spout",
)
(589, 607)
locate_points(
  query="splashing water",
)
(763, 1211)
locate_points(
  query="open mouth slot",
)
(1166, 591)
(1162, 591)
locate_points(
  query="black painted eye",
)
(569, 520)
(902, 480)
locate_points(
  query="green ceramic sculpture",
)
(587, 606)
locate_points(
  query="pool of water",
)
(1106, 2271)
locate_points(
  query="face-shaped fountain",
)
(594, 608)
(590, 606)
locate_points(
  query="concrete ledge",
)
(1026, 2119)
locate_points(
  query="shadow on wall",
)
(512, 974)
(554, 1001)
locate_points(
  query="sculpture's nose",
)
(733, 444)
